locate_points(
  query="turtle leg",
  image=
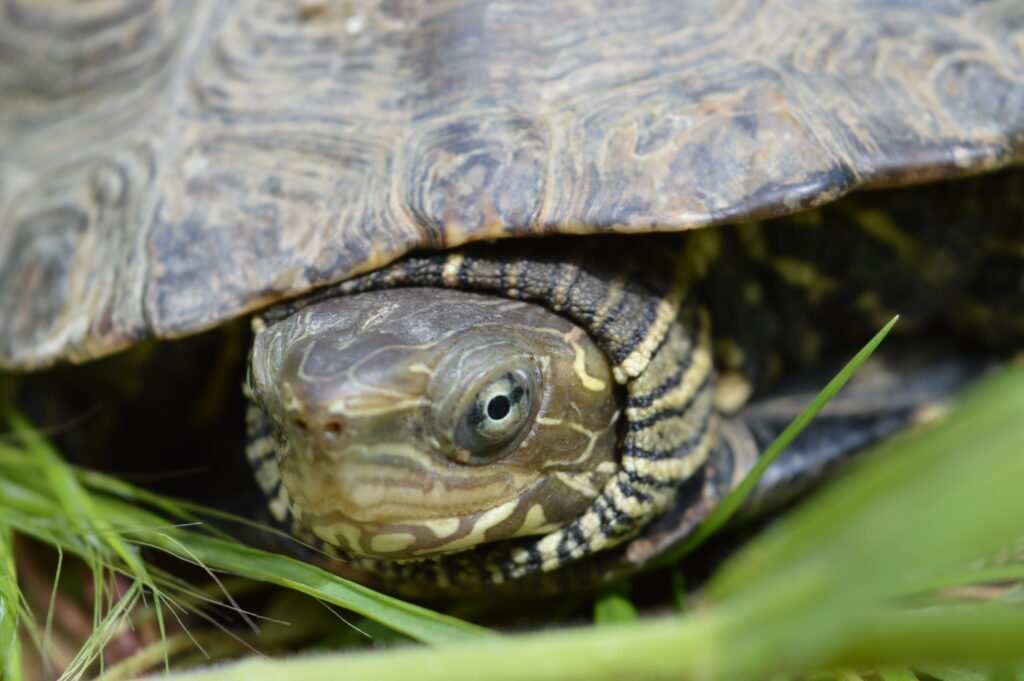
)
(896, 389)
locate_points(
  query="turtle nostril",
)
(333, 428)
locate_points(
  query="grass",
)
(98, 519)
(899, 571)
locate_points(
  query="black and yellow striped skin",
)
(658, 342)
(745, 304)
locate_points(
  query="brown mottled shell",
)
(169, 164)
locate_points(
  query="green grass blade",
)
(33, 506)
(229, 556)
(978, 575)
(703, 646)
(896, 674)
(77, 503)
(52, 604)
(614, 607)
(679, 595)
(958, 479)
(732, 502)
(955, 674)
(821, 590)
(104, 630)
(10, 608)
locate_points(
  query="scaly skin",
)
(649, 305)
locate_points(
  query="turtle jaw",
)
(389, 501)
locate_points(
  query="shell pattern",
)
(169, 164)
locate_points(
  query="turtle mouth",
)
(392, 485)
(393, 501)
(419, 538)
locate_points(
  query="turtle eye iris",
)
(496, 415)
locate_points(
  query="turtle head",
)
(410, 422)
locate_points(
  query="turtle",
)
(523, 279)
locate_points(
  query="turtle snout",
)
(325, 433)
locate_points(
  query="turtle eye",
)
(495, 416)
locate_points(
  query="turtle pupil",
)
(498, 408)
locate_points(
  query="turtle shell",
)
(170, 164)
